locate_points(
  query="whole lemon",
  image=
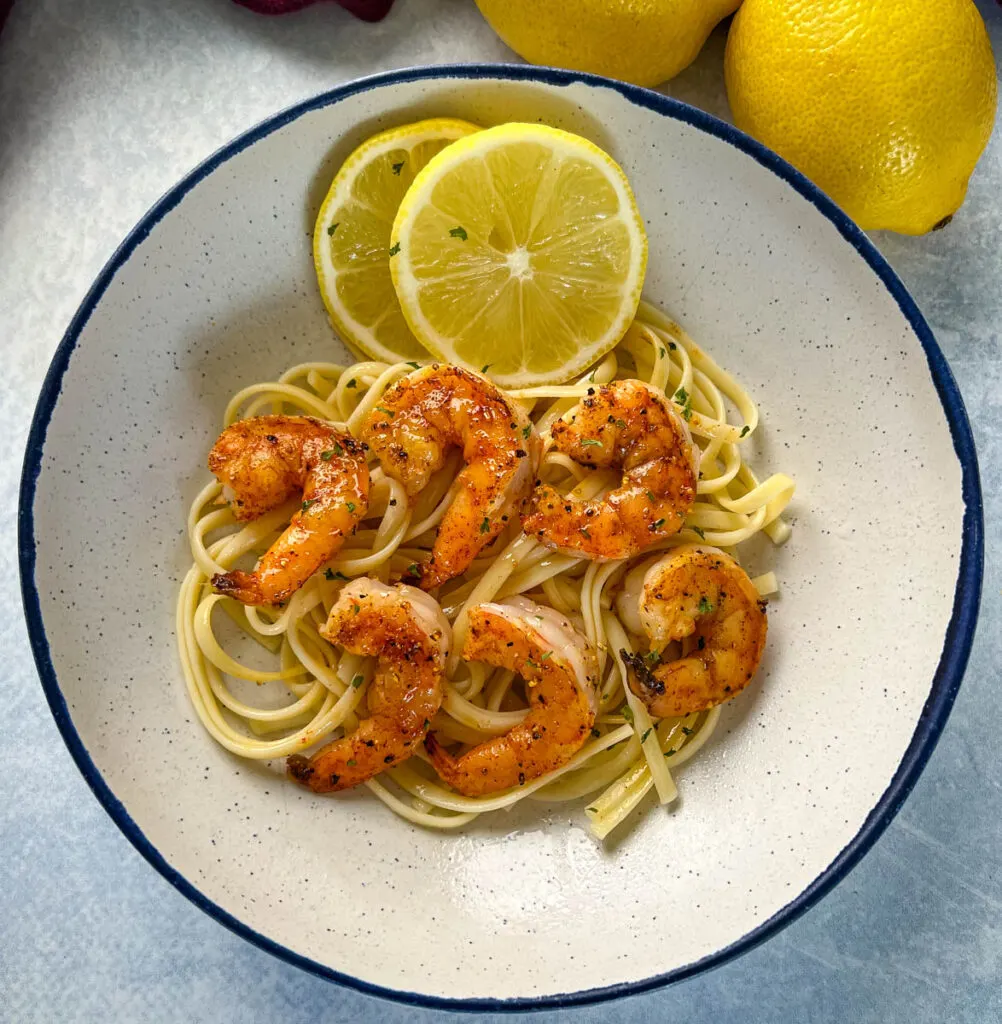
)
(639, 41)
(885, 104)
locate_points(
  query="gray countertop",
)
(103, 106)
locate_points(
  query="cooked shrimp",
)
(629, 426)
(561, 671)
(262, 462)
(406, 630)
(699, 592)
(440, 407)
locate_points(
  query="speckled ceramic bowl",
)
(215, 289)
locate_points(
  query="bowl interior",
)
(217, 291)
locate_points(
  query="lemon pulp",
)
(351, 240)
(519, 249)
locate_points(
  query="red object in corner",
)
(367, 10)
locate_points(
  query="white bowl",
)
(215, 289)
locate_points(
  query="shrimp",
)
(262, 462)
(407, 631)
(440, 407)
(560, 668)
(630, 426)
(697, 592)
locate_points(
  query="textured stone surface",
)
(103, 105)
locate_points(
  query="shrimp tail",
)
(451, 770)
(242, 586)
(645, 678)
(435, 750)
(299, 768)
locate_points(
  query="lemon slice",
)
(520, 249)
(351, 240)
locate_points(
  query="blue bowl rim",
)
(959, 633)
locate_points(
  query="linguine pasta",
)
(313, 691)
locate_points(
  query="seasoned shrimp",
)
(629, 426)
(699, 592)
(262, 462)
(561, 671)
(406, 630)
(441, 407)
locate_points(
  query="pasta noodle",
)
(312, 690)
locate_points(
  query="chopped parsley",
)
(595, 733)
(458, 232)
(548, 654)
(308, 502)
(628, 713)
(650, 495)
(584, 531)
(663, 353)
(670, 752)
(352, 383)
(356, 681)
(744, 430)
(672, 345)
(621, 424)
(413, 569)
(332, 228)
(485, 526)
(681, 396)
(410, 362)
(394, 250)
(351, 506)
(653, 657)
(351, 762)
(485, 367)
(686, 731)
(328, 455)
(356, 608)
(590, 442)
(389, 412)
(397, 168)
(699, 532)
(526, 431)
(594, 810)
(657, 524)
(705, 606)
(643, 739)
(330, 574)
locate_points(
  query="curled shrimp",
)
(411, 431)
(560, 668)
(629, 426)
(261, 463)
(699, 594)
(407, 631)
